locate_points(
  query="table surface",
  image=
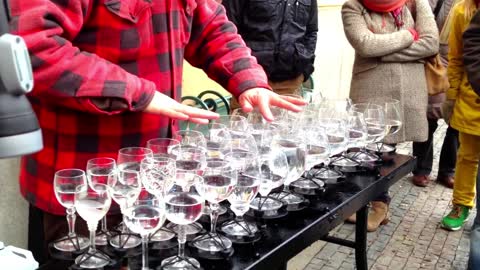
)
(286, 237)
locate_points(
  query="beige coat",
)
(388, 62)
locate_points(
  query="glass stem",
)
(92, 228)
(145, 252)
(239, 218)
(182, 238)
(213, 217)
(104, 223)
(71, 217)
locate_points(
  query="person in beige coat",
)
(391, 38)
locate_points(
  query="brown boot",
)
(352, 219)
(420, 180)
(378, 215)
(446, 180)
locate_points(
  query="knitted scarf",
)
(383, 5)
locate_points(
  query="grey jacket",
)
(389, 63)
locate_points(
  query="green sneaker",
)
(455, 219)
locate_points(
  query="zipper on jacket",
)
(277, 46)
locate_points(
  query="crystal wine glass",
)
(124, 188)
(129, 158)
(247, 166)
(144, 216)
(190, 138)
(98, 171)
(158, 174)
(293, 145)
(273, 170)
(219, 180)
(161, 145)
(65, 183)
(184, 205)
(92, 203)
(393, 116)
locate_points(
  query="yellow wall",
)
(196, 81)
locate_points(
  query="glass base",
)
(193, 228)
(177, 263)
(288, 197)
(92, 259)
(239, 228)
(265, 204)
(221, 210)
(71, 243)
(101, 238)
(162, 234)
(212, 242)
(125, 240)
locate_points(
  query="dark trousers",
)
(448, 155)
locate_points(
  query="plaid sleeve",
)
(216, 47)
(66, 76)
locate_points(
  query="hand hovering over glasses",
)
(255, 97)
(165, 105)
(263, 99)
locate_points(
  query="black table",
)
(286, 237)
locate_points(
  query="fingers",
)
(193, 112)
(283, 103)
(264, 107)
(201, 121)
(246, 105)
(294, 100)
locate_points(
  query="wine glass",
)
(65, 183)
(92, 203)
(393, 116)
(184, 206)
(273, 170)
(190, 138)
(218, 141)
(129, 158)
(374, 116)
(98, 171)
(317, 146)
(124, 187)
(234, 123)
(219, 180)
(144, 216)
(161, 145)
(158, 174)
(245, 190)
(293, 145)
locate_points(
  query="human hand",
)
(414, 34)
(447, 109)
(164, 105)
(264, 99)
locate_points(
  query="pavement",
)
(412, 239)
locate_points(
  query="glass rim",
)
(146, 150)
(60, 173)
(154, 140)
(107, 160)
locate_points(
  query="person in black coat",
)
(471, 59)
(471, 52)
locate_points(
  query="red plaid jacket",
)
(97, 64)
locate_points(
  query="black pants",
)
(448, 155)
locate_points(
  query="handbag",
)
(435, 71)
(436, 75)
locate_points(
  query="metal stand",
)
(73, 240)
(179, 259)
(360, 243)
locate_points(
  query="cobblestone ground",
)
(413, 238)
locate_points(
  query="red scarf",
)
(383, 5)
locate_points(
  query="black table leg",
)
(361, 239)
(282, 267)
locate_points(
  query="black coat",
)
(281, 33)
(471, 52)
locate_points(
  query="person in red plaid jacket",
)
(108, 74)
